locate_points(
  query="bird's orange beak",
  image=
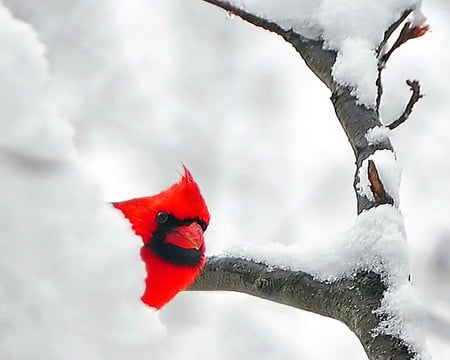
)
(186, 236)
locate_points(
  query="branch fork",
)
(408, 32)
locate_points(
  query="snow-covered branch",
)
(356, 119)
(353, 300)
(362, 281)
(362, 298)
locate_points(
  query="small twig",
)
(318, 59)
(388, 33)
(249, 17)
(414, 85)
(379, 85)
(407, 33)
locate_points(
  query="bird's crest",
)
(182, 200)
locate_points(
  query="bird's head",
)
(171, 225)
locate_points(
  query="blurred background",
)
(149, 85)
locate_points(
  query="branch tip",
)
(416, 95)
(233, 10)
(407, 33)
(388, 33)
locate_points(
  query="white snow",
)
(389, 173)
(356, 67)
(141, 102)
(35, 129)
(376, 242)
(405, 318)
(354, 28)
(377, 135)
(71, 276)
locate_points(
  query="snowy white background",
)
(147, 85)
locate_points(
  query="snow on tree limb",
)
(367, 299)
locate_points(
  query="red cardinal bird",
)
(171, 225)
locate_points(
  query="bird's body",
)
(171, 225)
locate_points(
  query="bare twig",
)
(379, 85)
(319, 60)
(391, 29)
(415, 96)
(380, 54)
(249, 17)
(408, 32)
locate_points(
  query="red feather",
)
(184, 202)
(165, 280)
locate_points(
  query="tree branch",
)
(414, 85)
(249, 17)
(355, 119)
(297, 289)
(388, 33)
(320, 61)
(408, 32)
(352, 301)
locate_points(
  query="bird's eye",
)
(162, 217)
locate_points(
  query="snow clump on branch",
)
(353, 28)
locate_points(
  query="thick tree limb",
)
(350, 300)
(356, 120)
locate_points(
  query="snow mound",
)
(70, 267)
(30, 124)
